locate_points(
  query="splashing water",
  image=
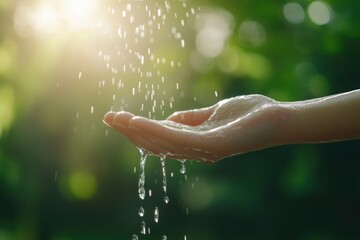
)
(139, 36)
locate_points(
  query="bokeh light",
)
(214, 28)
(319, 12)
(64, 64)
(82, 185)
(294, 12)
(252, 33)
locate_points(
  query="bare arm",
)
(243, 124)
(331, 118)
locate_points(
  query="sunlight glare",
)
(58, 16)
(80, 14)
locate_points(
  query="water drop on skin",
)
(156, 214)
(141, 212)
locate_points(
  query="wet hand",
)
(232, 126)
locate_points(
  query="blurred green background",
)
(63, 64)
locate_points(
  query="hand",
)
(232, 126)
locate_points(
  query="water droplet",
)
(156, 214)
(92, 109)
(143, 228)
(166, 199)
(182, 43)
(183, 168)
(80, 74)
(141, 212)
(142, 193)
(164, 237)
(134, 237)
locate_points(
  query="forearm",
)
(332, 118)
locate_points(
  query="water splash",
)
(141, 184)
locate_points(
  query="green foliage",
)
(64, 175)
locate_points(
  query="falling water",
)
(141, 184)
(183, 168)
(156, 214)
(143, 228)
(163, 168)
(141, 212)
(136, 64)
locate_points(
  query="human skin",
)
(242, 124)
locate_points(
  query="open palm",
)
(229, 127)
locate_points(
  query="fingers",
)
(192, 117)
(160, 129)
(161, 137)
(119, 120)
(177, 143)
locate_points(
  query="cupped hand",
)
(232, 126)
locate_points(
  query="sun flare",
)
(59, 16)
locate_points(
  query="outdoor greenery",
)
(64, 175)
